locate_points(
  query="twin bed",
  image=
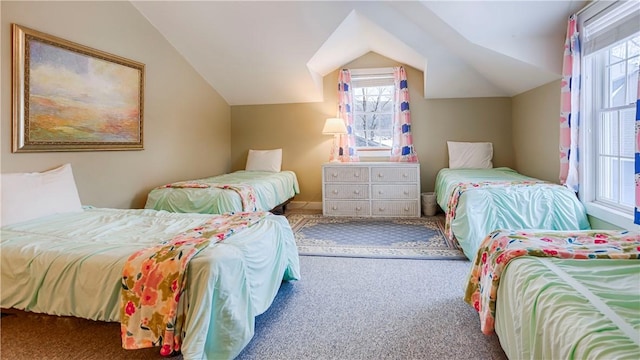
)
(261, 186)
(227, 193)
(548, 286)
(541, 315)
(61, 258)
(478, 201)
(559, 294)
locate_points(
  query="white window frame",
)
(384, 73)
(612, 213)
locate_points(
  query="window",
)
(611, 60)
(373, 103)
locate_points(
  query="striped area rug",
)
(408, 238)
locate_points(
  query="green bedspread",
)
(72, 264)
(540, 315)
(483, 210)
(271, 189)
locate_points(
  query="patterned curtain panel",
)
(402, 143)
(347, 146)
(570, 107)
(636, 216)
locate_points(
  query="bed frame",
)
(281, 209)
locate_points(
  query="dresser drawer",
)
(346, 174)
(394, 174)
(399, 192)
(346, 191)
(395, 208)
(346, 208)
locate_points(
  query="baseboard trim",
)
(310, 205)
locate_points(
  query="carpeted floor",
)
(28, 336)
(357, 308)
(408, 238)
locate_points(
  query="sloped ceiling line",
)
(354, 37)
(472, 48)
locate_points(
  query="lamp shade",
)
(334, 126)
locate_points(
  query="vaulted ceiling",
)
(271, 52)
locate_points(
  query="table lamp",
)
(335, 127)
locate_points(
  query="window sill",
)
(609, 215)
(374, 155)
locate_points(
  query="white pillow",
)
(27, 196)
(264, 160)
(470, 155)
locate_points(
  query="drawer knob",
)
(356, 174)
(335, 191)
(357, 192)
(380, 192)
(334, 207)
(358, 208)
(406, 192)
(380, 175)
(404, 175)
(381, 209)
(334, 174)
(406, 209)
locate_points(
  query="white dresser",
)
(377, 189)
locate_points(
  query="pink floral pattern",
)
(459, 189)
(501, 246)
(153, 281)
(570, 107)
(402, 148)
(246, 192)
(247, 195)
(636, 211)
(184, 185)
(347, 151)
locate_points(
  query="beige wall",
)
(297, 129)
(186, 122)
(536, 131)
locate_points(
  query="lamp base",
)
(334, 149)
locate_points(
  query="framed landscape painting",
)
(69, 97)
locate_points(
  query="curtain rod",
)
(372, 71)
(605, 4)
(590, 4)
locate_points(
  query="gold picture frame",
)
(70, 97)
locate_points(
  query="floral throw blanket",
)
(153, 280)
(185, 185)
(246, 192)
(501, 246)
(459, 189)
(247, 195)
